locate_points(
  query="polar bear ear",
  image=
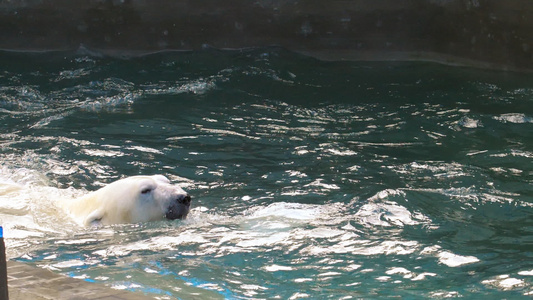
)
(161, 178)
(94, 218)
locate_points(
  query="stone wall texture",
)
(493, 34)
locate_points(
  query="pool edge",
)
(27, 282)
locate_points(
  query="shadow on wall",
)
(482, 33)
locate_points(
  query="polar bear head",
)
(131, 200)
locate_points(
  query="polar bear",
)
(131, 200)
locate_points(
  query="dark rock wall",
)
(482, 33)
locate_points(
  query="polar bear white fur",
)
(131, 200)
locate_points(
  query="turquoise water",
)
(319, 180)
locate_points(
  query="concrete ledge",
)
(483, 33)
(26, 282)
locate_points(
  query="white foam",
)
(504, 282)
(381, 212)
(28, 209)
(467, 122)
(275, 268)
(526, 273)
(516, 118)
(295, 211)
(454, 260)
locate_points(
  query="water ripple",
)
(309, 179)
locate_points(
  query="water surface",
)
(310, 179)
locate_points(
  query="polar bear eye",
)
(146, 191)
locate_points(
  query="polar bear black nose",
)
(185, 199)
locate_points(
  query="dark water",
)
(310, 179)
